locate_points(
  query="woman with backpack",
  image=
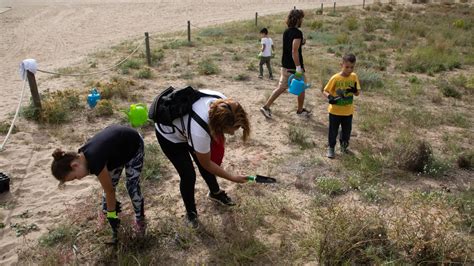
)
(211, 115)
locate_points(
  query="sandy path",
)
(59, 34)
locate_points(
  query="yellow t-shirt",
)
(337, 87)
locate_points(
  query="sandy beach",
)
(59, 34)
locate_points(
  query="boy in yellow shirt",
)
(340, 92)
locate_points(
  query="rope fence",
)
(30, 77)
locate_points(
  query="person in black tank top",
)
(291, 62)
(106, 155)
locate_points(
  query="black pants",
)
(346, 124)
(178, 154)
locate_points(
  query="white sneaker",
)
(266, 112)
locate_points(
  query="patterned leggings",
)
(132, 170)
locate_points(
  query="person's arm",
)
(106, 182)
(294, 52)
(358, 86)
(273, 48)
(263, 48)
(213, 168)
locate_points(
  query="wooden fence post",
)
(189, 31)
(147, 49)
(34, 89)
(322, 8)
(334, 10)
(363, 4)
(256, 19)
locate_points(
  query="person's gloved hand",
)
(260, 55)
(114, 221)
(353, 89)
(118, 207)
(299, 72)
(332, 99)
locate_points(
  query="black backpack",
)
(172, 104)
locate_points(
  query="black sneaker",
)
(192, 220)
(221, 197)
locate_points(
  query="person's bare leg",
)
(275, 94)
(300, 102)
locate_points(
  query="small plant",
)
(207, 67)
(460, 24)
(448, 89)
(330, 186)
(153, 163)
(116, 88)
(242, 77)
(251, 66)
(5, 126)
(351, 23)
(157, 56)
(415, 155)
(62, 234)
(104, 108)
(349, 235)
(57, 107)
(466, 160)
(299, 136)
(316, 25)
(145, 73)
(131, 64)
(236, 57)
(370, 80)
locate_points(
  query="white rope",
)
(98, 72)
(16, 114)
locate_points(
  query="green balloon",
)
(138, 115)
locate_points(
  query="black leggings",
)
(178, 154)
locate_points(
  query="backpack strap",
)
(198, 119)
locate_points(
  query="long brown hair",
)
(61, 166)
(227, 113)
(294, 18)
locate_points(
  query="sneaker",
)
(271, 77)
(331, 153)
(192, 220)
(345, 147)
(221, 197)
(304, 113)
(260, 77)
(266, 112)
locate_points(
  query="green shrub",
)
(153, 165)
(325, 38)
(316, 25)
(459, 24)
(145, 73)
(131, 64)
(207, 67)
(5, 126)
(428, 59)
(466, 160)
(242, 77)
(300, 137)
(448, 89)
(370, 80)
(412, 155)
(251, 66)
(348, 236)
(329, 185)
(64, 234)
(104, 108)
(351, 23)
(57, 107)
(116, 88)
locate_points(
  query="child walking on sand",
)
(265, 54)
(340, 92)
